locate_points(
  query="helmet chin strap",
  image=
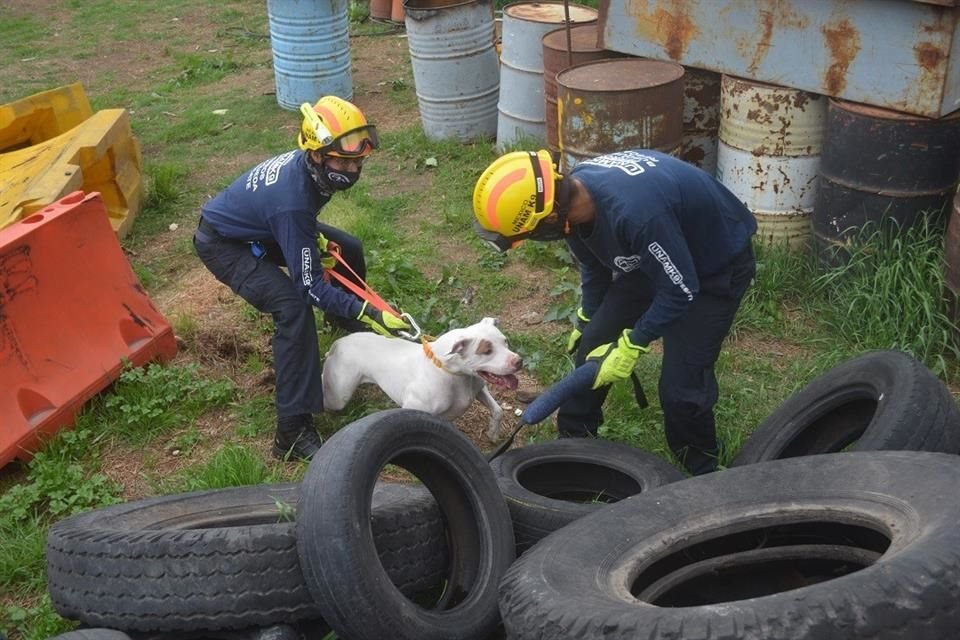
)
(558, 228)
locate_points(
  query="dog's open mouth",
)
(508, 381)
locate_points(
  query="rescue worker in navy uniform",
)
(267, 219)
(665, 251)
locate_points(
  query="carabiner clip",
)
(413, 323)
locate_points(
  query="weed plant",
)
(892, 294)
(155, 399)
(233, 465)
(412, 210)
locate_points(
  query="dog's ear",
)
(459, 346)
(492, 321)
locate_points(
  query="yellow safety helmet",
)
(335, 127)
(513, 195)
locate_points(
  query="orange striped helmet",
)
(335, 127)
(515, 193)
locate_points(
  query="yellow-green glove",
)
(382, 322)
(574, 340)
(327, 261)
(616, 360)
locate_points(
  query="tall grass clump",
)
(892, 294)
(782, 280)
(233, 465)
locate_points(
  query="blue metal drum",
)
(311, 50)
(455, 67)
(522, 109)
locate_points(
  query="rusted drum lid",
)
(887, 114)
(549, 12)
(583, 38)
(435, 4)
(628, 74)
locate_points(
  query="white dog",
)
(441, 377)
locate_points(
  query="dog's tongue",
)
(509, 381)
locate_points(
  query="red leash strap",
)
(364, 292)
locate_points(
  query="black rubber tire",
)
(219, 559)
(93, 633)
(302, 630)
(336, 546)
(880, 400)
(580, 581)
(547, 485)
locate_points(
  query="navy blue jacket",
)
(662, 216)
(277, 203)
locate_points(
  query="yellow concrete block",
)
(100, 154)
(42, 116)
(52, 144)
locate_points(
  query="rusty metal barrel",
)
(701, 118)
(521, 115)
(612, 105)
(557, 56)
(455, 68)
(768, 155)
(881, 168)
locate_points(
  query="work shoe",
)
(296, 439)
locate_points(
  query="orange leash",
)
(365, 292)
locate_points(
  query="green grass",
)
(232, 465)
(412, 209)
(892, 294)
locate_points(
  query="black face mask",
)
(340, 180)
(329, 180)
(551, 228)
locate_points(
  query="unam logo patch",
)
(669, 268)
(306, 266)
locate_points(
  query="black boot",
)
(296, 439)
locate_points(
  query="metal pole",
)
(566, 22)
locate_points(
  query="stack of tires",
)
(838, 519)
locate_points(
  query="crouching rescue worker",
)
(267, 219)
(665, 251)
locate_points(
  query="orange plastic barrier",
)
(71, 311)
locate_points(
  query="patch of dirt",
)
(783, 353)
(381, 72)
(139, 471)
(213, 325)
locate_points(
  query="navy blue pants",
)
(262, 283)
(688, 386)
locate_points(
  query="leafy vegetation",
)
(199, 423)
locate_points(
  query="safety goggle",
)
(498, 241)
(356, 143)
